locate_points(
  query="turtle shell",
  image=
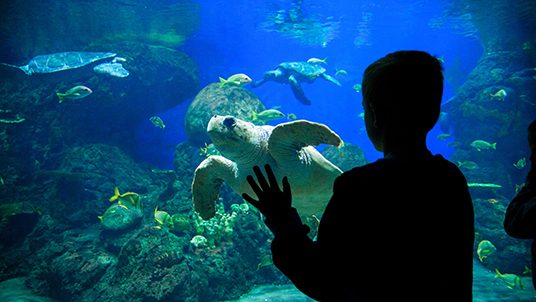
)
(303, 68)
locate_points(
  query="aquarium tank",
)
(112, 187)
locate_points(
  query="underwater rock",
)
(118, 218)
(212, 100)
(493, 108)
(17, 220)
(55, 28)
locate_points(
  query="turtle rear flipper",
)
(331, 79)
(208, 178)
(297, 90)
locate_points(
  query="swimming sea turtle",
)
(287, 147)
(294, 73)
(61, 61)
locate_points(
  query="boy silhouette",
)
(520, 218)
(398, 229)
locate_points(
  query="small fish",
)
(157, 122)
(361, 115)
(492, 201)
(317, 61)
(484, 249)
(341, 72)
(291, 116)
(483, 185)
(443, 136)
(511, 280)
(483, 145)
(119, 59)
(467, 164)
(209, 150)
(266, 260)
(501, 95)
(238, 79)
(161, 217)
(527, 271)
(521, 163)
(77, 92)
(266, 116)
(357, 87)
(454, 144)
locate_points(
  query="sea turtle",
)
(61, 61)
(287, 147)
(294, 73)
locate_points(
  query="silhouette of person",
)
(397, 229)
(520, 218)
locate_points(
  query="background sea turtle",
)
(294, 73)
(287, 147)
(61, 61)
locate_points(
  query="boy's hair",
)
(408, 86)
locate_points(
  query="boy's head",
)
(403, 91)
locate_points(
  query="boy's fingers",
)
(260, 178)
(254, 186)
(286, 185)
(250, 199)
(271, 176)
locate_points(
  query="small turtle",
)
(294, 73)
(287, 148)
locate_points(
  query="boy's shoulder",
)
(383, 166)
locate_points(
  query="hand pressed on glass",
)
(271, 201)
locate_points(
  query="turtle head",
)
(231, 136)
(272, 74)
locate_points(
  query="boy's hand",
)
(272, 202)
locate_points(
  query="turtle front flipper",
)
(297, 90)
(331, 79)
(286, 138)
(208, 178)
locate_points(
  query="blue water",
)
(232, 39)
(60, 165)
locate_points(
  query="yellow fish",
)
(238, 79)
(341, 72)
(157, 122)
(484, 249)
(501, 95)
(317, 61)
(161, 217)
(77, 92)
(511, 280)
(266, 116)
(521, 163)
(483, 145)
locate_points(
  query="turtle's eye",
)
(229, 122)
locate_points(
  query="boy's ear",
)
(374, 116)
